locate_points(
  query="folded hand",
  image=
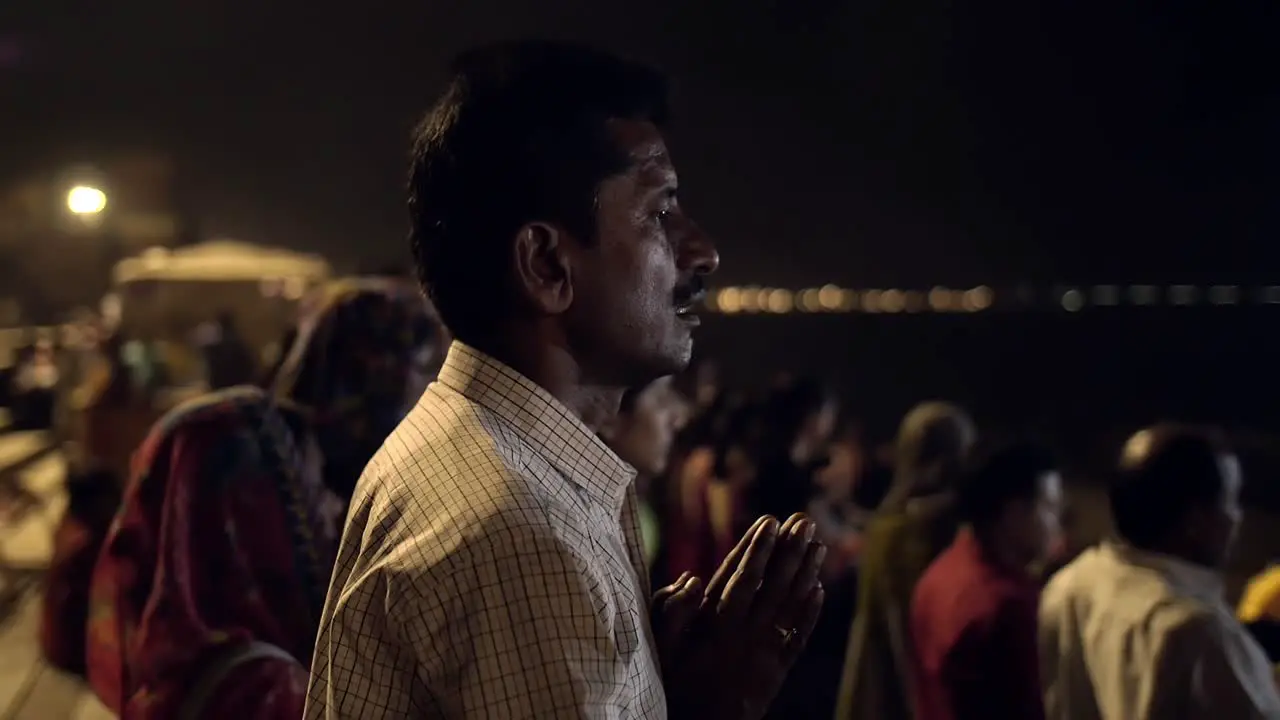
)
(726, 650)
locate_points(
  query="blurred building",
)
(62, 232)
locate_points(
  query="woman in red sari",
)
(206, 598)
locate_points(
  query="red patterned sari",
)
(223, 545)
(220, 544)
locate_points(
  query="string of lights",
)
(755, 299)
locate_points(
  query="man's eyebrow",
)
(659, 183)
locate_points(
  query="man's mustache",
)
(691, 292)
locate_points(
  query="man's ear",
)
(543, 267)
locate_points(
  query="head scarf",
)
(350, 365)
(932, 440)
(219, 541)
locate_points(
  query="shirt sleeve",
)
(1208, 670)
(509, 625)
(995, 670)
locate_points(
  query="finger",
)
(812, 610)
(805, 580)
(678, 611)
(785, 565)
(715, 588)
(742, 587)
(666, 591)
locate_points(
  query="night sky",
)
(869, 143)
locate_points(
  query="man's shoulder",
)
(957, 586)
(441, 531)
(939, 578)
(452, 477)
(1095, 588)
(1072, 578)
(445, 436)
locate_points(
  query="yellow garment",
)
(1261, 599)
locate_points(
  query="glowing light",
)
(762, 298)
(1072, 300)
(941, 299)
(155, 258)
(834, 299)
(829, 297)
(809, 301)
(85, 200)
(780, 301)
(871, 300)
(294, 288)
(979, 298)
(729, 300)
(893, 301)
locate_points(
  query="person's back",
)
(489, 537)
(1110, 615)
(205, 595)
(1139, 628)
(965, 619)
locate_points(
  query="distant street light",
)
(85, 200)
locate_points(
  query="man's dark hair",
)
(1164, 474)
(519, 135)
(1000, 474)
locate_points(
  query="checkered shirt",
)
(491, 567)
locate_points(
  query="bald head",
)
(1177, 491)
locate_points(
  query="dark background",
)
(866, 143)
(880, 143)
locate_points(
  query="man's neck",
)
(554, 370)
(594, 406)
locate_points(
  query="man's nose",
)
(699, 251)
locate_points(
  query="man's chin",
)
(677, 361)
(671, 358)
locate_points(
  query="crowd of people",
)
(228, 532)
(403, 520)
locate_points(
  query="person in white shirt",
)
(1139, 628)
(491, 564)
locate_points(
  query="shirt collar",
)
(1188, 578)
(550, 428)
